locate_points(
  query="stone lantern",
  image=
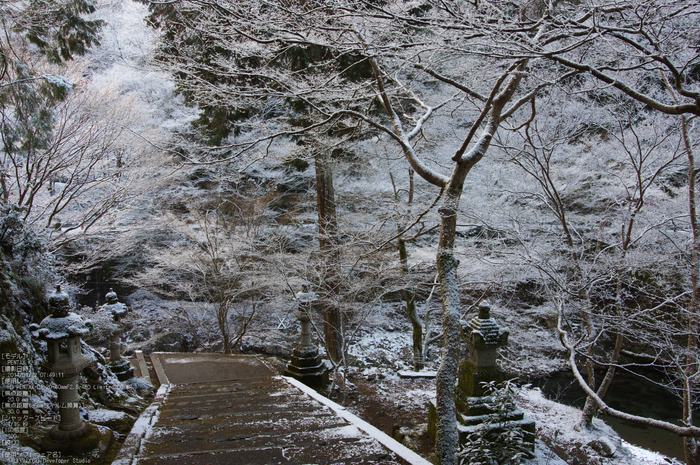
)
(62, 331)
(306, 364)
(120, 367)
(475, 407)
(485, 337)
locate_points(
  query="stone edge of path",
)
(158, 368)
(143, 367)
(129, 450)
(383, 438)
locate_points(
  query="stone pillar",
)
(475, 411)
(115, 347)
(62, 331)
(70, 424)
(305, 328)
(306, 364)
(121, 368)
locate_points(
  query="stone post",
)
(306, 364)
(305, 328)
(62, 331)
(121, 368)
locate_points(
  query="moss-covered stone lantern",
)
(62, 331)
(485, 337)
(477, 409)
(120, 367)
(306, 364)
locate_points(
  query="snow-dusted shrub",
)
(494, 443)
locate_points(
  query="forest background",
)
(538, 154)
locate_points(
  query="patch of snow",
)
(58, 81)
(59, 328)
(382, 348)
(642, 456)
(421, 395)
(348, 431)
(544, 455)
(559, 423)
(103, 415)
(418, 374)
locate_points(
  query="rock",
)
(168, 342)
(140, 335)
(141, 386)
(604, 446)
(401, 430)
(293, 185)
(141, 295)
(202, 178)
(267, 348)
(409, 434)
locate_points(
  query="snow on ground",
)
(349, 431)
(101, 415)
(382, 348)
(544, 456)
(558, 423)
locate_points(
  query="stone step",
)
(238, 439)
(231, 410)
(270, 457)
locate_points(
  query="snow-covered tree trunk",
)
(691, 369)
(329, 244)
(447, 440)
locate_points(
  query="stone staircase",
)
(217, 409)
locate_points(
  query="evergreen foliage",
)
(58, 31)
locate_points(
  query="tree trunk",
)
(222, 320)
(4, 192)
(690, 444)
(447, 440)
(330, 258)
(409, 296)
(410, 299)
(590, 409)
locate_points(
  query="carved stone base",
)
(88, 439)
(63, 435)
(482, 420)
(306, 366)
(492, 428)
(122, 369)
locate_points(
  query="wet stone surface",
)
(235, 410)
